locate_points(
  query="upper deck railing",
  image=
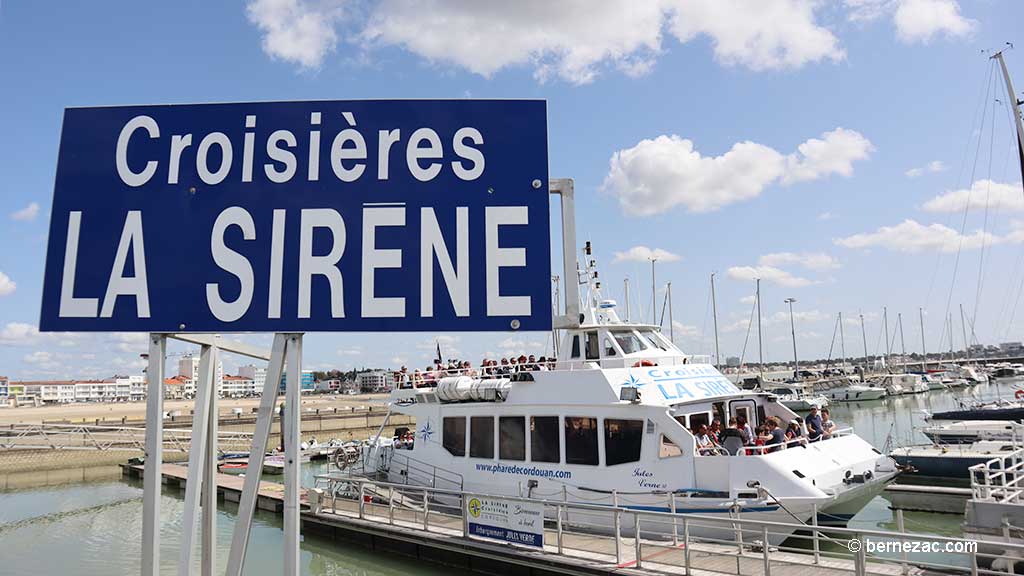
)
(416, 377)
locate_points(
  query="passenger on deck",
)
(814, 428)
(745, 428)
(795, 431)
(704, 443)
(775, 435)
(760, 437)
(827, 425)
(715, 431)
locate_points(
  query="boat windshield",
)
(654, 340)
(628, 341)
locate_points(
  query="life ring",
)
(640, 363)
(1018, 394)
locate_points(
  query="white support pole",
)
(292, 467)
(196, 459)
(260, 438)
(209, 497)
(154, 455)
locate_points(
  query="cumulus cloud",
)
(1005, 196)
(681, 330)
(824, 216)
(26, 214)
(769, 34)
(809, 260)
(573, 40)
(644, 254)
(911, 236)
(659, 174)
(914, 20)
(38, 357)
(933, 166)
(7, 286)
(922, 20)
(298, 31)
(768, 274)
(19, 334)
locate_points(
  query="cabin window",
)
(592, 351)
(696, 420)
(581, 440)
(628, 342)
(512, 438)
(609, 348)
(668, 448)
(453, 436)
(481, 437)
(545, 441)
(622, 440)
(576, 346)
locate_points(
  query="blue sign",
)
(373, 215)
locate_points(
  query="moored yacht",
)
(612, 422)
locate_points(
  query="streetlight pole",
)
(792, 328)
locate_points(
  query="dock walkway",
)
(437, 536)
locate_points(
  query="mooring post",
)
(154, 455)
(292, 465)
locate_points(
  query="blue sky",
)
(825, 147)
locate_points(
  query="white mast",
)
(714, 316)
(1014, 105)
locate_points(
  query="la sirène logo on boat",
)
(426, 432)
(632, 380)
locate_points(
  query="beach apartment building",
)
(237, 387)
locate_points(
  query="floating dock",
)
(438, 537)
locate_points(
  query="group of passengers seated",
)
(740, 438)
(431, 375)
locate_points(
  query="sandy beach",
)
(90, 411)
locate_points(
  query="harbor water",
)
(95, 528)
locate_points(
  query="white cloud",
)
(644, 254)
(297, 31)
(910, 236)
(824, 216)
(799, 316)
(573, 40)
(1005, 196)
(809, 260)
(866, 10)
(768, 34)
(933, 166)
(38, 357)
(19, 334)
(659, 174)
(748, 299)
(356, 351)
(834, 153)
(7, 286)
(26, 214)
(768, 274)
(921, 20)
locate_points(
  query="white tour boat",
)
(610, 423)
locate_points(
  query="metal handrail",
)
(680, 524)
(102, 438)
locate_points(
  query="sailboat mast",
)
(864, 337)
(1015, 106)
(885, 321)
(963, 328)
(903, 343)
(842, 337)
(760, 346)
(924, 353)
(625, 286)
(714, 317)
(671, 323)
(950, 321)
